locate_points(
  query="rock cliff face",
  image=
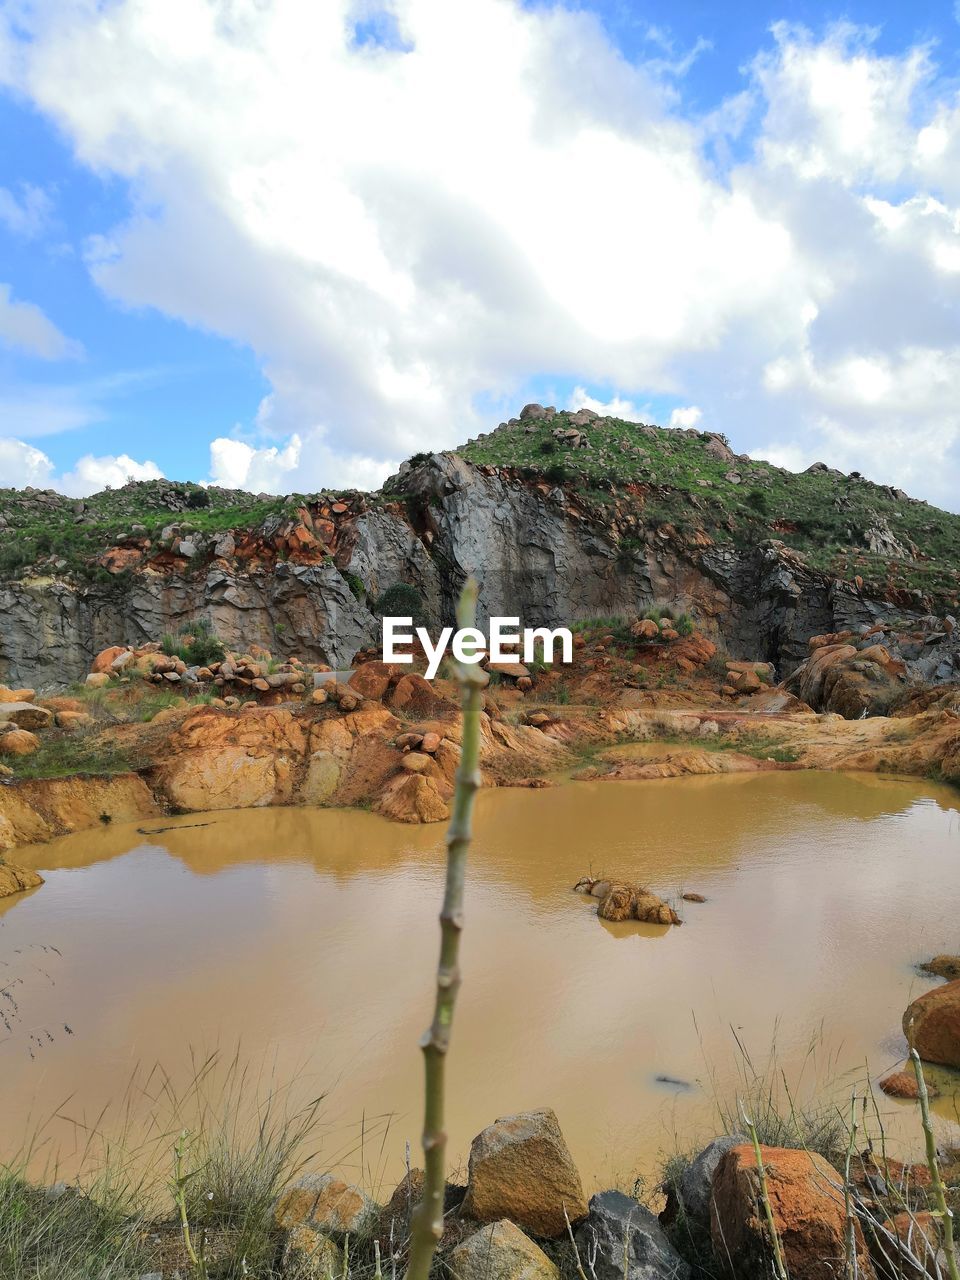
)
(308, 584)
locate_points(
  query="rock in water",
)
(501, 1252)
(16, 879)
(629, 1242)
(806, 1198)
(932, 1025)
(520, 1168)
(943, 967)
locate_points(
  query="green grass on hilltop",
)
(821, 514)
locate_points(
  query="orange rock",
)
(429, 743)
(73, 720)
(903, 1084)
(372, 679)
(16, 879)
(932, 1024)
(17, 695)
(410, 797)
(18, 742)
(104, 660)
(415, 697)
(806, 1199)
(521, 1169)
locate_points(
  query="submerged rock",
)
(943, 967)
(521, 1169)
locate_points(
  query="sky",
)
(284, 244)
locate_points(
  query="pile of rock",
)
(620, 900)
(21, 719)
(249, 674)
(523, 1211)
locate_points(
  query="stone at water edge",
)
(310, 1255)
(932, 1024)
(903, 1084)
(628, 1241)
(500, 1252)
(17, 879)
(323, 1202)
(943, 967)
(806, 1199)
(694, 1190)
(520, 1168)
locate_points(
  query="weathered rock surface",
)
(695, 1188)
(521, 1169)
(16, 879)
(807, 1203)
(932, 1025)
(39, 810)
(324, 1203)
(547, 559)
(500, 1252)
(310, 1255)
(944, 966)
(622, 1240)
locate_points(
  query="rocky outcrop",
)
(521, 1169)
(17, 879)
(305, 580)
(932, 1025)
(807, 1202)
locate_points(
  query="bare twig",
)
(427, 1227)
(943, 1211)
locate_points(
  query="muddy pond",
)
(308, 938)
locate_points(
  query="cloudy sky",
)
(283, 244)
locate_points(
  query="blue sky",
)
(285, 245)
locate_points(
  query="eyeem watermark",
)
(470, 645)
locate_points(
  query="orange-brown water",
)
(309, 937)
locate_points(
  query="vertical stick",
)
(427, 1225)
(944, 1212)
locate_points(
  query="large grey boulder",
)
(622, 1240)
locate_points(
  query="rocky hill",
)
(562, 516)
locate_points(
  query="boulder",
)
(692, 1193)
(73, 720)
(106, 658)
(932, 1024)
(520, 1168)
(415, 762)
(943, 967)
(645, 629)
(18, 742)
(310, 1255)
(500, 1252)
(25, 715)
(807, 1203)
(17, 695)
(903, 1084)
(430, 742)
(416, 697)
(622, 1240)
(372, 679)
(16, 879)
(324, 1203)
(905, 1247)
(97, 680)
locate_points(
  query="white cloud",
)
(26, 328)
(561, 216)
(302, 466)
(617, 407)
(21, 464)
(90, 474)
(688, 416)
(27, 215)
